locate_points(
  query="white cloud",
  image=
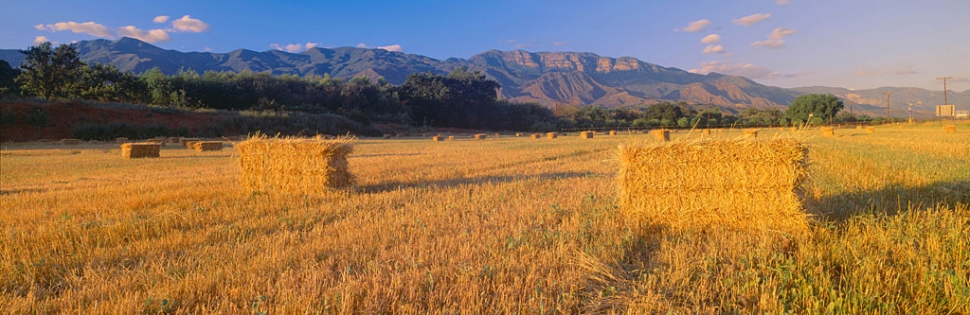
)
(188, 24)
(782, 2)
(161, 19)
(882, 72)
(557, 44)
(294, 48)
(798, 74)
(394, 47)
(710, 39)
(746, 70)
(40, 40)
(207, 48)
(714, 49)
(90, 28)
(751, 19)
(150, 36)
(775, 39)
(696, 26)
(311, 45)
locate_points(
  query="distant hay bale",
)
(480, 136)
(140, 150)
(295, 166)
(858, 127)
(949, 128)
(173, 139)
(518, 134)
(437, 138)
(388, 136)
(203, 146)
(828, 131)
(586, 135)
(551, 135)
(706, 132)
(901, 127)
(159, 141)
(70, 141)
(191, 144)
(496, 136)
(451, 137)
(535, 136)
(45, 140)
(612, 132)
(749, 133)
(659, 134)
(870, 129)
(738, 184)
(121, 140)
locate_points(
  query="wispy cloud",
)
(90, 28)
(881, 72)
(150, 36)
(294, 48)
(161, 19)
(775, 39)
(521, 45)
(395, 47)
(714, 49)
(751, 19)
(782, 2)
(799, 74)
(40, 40)
(557, 44)
(695, 26)
(710, 39)
(189, 25)
(746, 70)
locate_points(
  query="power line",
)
(888, 115)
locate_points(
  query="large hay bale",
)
(202, 146)
(612, 132)
(738, 184)
(551, 135)
(828, 131)
(870, 129)
(451, 137)
(659, 134)
(480, 136)
(586, 135)
(295, 166)
(535, 136)
(749, 133)
(949, 128)
(70, 141)
(437, 138)
(140, 150)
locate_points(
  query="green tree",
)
(664, 112)
(7, 76)
(819, 106)
(50, 72)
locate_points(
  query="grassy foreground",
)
(510, 225)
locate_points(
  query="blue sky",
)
(787, 43)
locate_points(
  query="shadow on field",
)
(4, 192)
(479, 180)
(890, 199)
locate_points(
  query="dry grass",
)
(949, 128)
(750, 133)
(70, 141)
(295, 165)
(530, 227)
(870, 129)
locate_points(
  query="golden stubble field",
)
(509, 225)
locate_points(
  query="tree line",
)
(460, 99)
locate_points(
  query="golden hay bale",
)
(295, 166)
(534, 136)
(662, 135)
(901, 127)
(451, 137)
(480, 136)
(496, 136)
(738, 184)
(191, 144)
(173, 139)
(140, 150)
(207, 146)
(749, 133)
(551, 135)
(706, 132)
(70, 141)
(949, 128)
(870, 129)
(121, 140)
(388, 136)
(518, 134)
(858, 127)
(828, 131)
(437, 138)
(612, 132)
(586, 135)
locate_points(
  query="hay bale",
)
(586, 135)
(173, 140)
(121, 140)
(949, 128)
(480, 136)
(437, 138)
(744, 184)
(706, 132)
(451, 137)
(186, 142)
(202, 146)
(140, 150)
(191, 144)
(870, 129)
(828, 131)
(496, 136)
(70, 141)
(749, 133)
(659, 134)
(518, 134)
(858, 127)
(388, 136)
(535, 136)
(612, 132)
(551, 135)
(295, 166)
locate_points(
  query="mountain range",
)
(579, 78)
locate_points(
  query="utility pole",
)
(944, 92)
(709, 105)
(889, 117)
